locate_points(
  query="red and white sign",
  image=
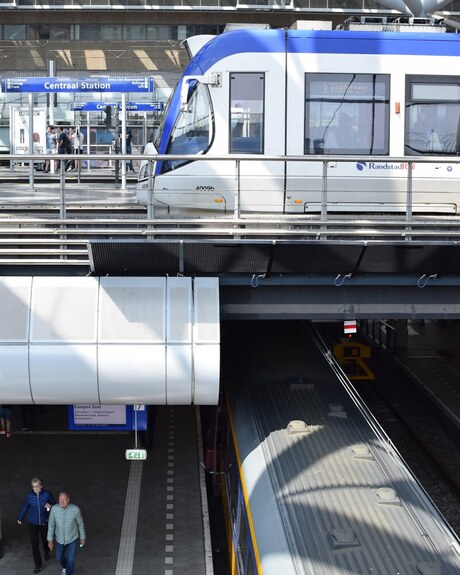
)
(349, 326)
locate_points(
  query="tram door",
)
(256, 128)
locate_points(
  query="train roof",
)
(328, 493)
(322, 42)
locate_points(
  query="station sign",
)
(130, 106)
(136, 454)
(99, 417)
(91, 84)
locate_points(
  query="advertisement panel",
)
(20, 129)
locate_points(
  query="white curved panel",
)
(132, 309)
(132, 374)
(14, 374)
(15, 308)
(179, 310)
(61, 374)
(164, 340)
(64, 309)
(179, 374)
(206, 363)
(206, 325)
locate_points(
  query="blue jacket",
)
(35, 506)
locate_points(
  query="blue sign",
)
(130, 106)
(107, 417)
(91, 106)
(97, 84)
(144, 106)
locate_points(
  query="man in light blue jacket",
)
(66, 527)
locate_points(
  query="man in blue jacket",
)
(38, 504)
(66, 526)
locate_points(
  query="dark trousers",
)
(34, 532)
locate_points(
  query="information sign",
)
(106, 417)
(130, 106)
(97, 84)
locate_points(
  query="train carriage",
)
(311, 483)
(282, 101)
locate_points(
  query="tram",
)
(284, 121)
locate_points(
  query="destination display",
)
(100, 84)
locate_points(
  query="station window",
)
(432, 116)
(346, 114)
(89, 32)
(246, 114)
(133, 32)
(14, 32)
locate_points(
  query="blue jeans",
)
(65, 554)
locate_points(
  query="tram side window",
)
(432, 116)
(194, 128)
(347, 114)
(246, 114)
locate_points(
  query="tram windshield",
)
(193, 129)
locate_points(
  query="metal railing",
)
(58, 227)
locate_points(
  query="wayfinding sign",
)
(106, 417)
(130, 106)
(136, 454)
(91, 84)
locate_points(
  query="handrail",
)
(62, 237)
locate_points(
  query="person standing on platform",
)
(64, 146)
(147, 437)
(37, 506)
(28, 417)
(6, 414)
(50, 145)
(77, 139)
(129, 137)
(66, 526)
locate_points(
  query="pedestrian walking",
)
(37, 507)
(6, 414)
(66, 527)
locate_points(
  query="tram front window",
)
(194, 127)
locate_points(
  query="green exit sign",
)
(136, 454)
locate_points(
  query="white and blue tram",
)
(368, 99)
(312, 485)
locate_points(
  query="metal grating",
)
(134, 258)
(194, 258)
(315, 258)
(405, 259)
(226, 258)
